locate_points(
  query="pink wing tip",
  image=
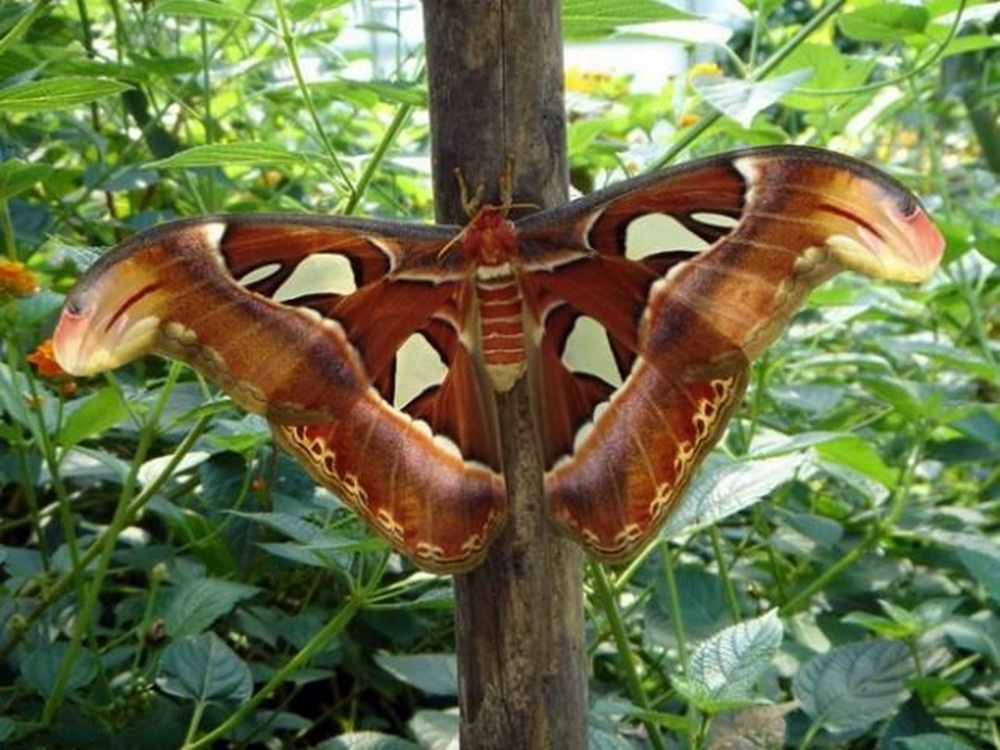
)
(926, 242)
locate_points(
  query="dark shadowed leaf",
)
(852, 687)
(203, 668)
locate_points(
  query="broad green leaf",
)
(197, 603)
(852, 687)
(203, 668)
(883, 22)
(229, 154)
(720, 490)
(858, 455)
(724, 669)
(7, 728)
(435, 674)
(40, 667)
(831, 70)
(367, 741)
(594, 19)
(742, 100)
(57, 93)
(17, 175)
(93, 415)
(703, 608)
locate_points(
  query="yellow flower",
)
(16, 280)
(688, 119)
(704, 69)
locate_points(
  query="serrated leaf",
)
(57, 93)
(197, 603)
(203, 668)
(883, 22)
(367, 741)
(229, 154)
(741, 100)
(93, 415)
(435, 674)
(724, 669)
(852, 687)
(720, 490)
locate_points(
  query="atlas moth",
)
(375, 348)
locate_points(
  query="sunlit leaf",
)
(57, 93)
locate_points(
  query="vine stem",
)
(605, 596)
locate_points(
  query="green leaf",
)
(17, 175)
(931, 742)
(852, 687)
(199, 602)
(41, 666)
(703, 608)
(598, 739)
(741, 100)
(435, 729)
(367, 741)
(203, 668)
(858, 455)
(435, 674)
(57, 93)
(93, 415)
(980, 556)
(593, 19)
(200, 9)
(230, 154)
(724, 669)
(883, 22)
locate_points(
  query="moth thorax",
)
(490, 238)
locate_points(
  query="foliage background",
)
(168, 580)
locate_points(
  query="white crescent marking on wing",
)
(713, 219)
(587, 350)
(259, 274)
(418, 367)
(322, 273)
(658, 233)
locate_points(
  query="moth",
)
(376, 348)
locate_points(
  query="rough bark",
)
(496, 90)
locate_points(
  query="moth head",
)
(112, 316)
(872, 224)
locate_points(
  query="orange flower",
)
(44, 361)
(688, 119)
(16, 280)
